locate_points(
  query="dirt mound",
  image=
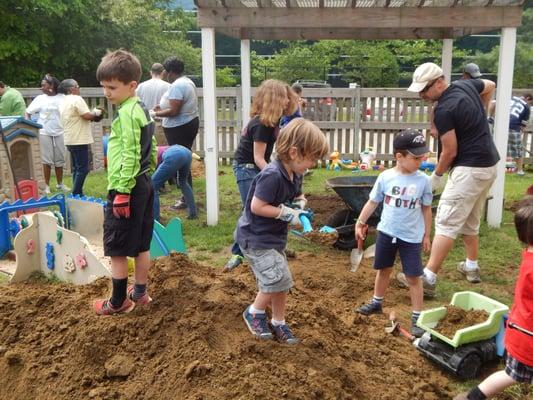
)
(191, 342)
(198, 168)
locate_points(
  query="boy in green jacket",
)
(129, 217)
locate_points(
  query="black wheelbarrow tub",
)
(354, 191)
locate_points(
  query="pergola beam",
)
(368, 17)
(347, 33)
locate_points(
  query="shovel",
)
(357, 254)
(396, 329)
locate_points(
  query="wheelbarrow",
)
(354, 191)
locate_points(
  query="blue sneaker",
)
(257, 324)
(284, 335)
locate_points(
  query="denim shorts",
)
(270, 268)
(410, 254)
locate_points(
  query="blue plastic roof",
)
(8, 122)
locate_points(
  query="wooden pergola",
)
(354, 19)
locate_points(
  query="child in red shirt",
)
(519, 332)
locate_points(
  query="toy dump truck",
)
(471, 347)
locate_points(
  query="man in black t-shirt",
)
(469, 153)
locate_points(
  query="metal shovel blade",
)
(370, 251)
(393, 328)
(355, 259)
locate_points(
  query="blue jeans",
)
(245, 174)
(80, 166)
(175, 160)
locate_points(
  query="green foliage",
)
(226, 77)
(369, 63)
(68, 37)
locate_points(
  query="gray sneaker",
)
(429, 288)
(471, 276)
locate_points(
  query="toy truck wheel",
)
(469, 366)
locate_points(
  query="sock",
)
(376, 299)
(476, 394)
(277, 323)
(471, 265)
(414, 317)
(254, 310)
(118, 295)
(138, 291)
(431, 276)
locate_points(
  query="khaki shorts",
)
(460, 205)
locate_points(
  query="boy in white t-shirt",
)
(405, 223)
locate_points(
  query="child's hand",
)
(290, 215)
(300, 203)
(360, 231)
(426, 244)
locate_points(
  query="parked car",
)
(316, 84)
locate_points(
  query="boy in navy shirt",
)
(405, 223)
(261, 231)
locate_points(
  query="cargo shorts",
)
(461, 203)
(270, 268)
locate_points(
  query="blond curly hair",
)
(270, 102)
(309, 141)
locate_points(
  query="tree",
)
(68, 37)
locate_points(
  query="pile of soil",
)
(457, 318)
(191, 342)
(325, 239)
(197, 168)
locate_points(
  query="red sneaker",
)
(142, 301)
(104, 307)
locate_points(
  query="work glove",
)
(291, 215)
(121, 205)
(300, 203)
(98, 113)
(437, 182)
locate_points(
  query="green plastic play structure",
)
(467, 301)
(167, 238)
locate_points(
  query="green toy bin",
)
(467, 301)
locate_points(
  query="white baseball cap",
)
(424, 74)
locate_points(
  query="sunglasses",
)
(430, 85)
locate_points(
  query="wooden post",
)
(501, 123)
(356, 101)
(447, 50)
(210, 125)
(245, 80)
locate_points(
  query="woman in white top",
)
(47, 105)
